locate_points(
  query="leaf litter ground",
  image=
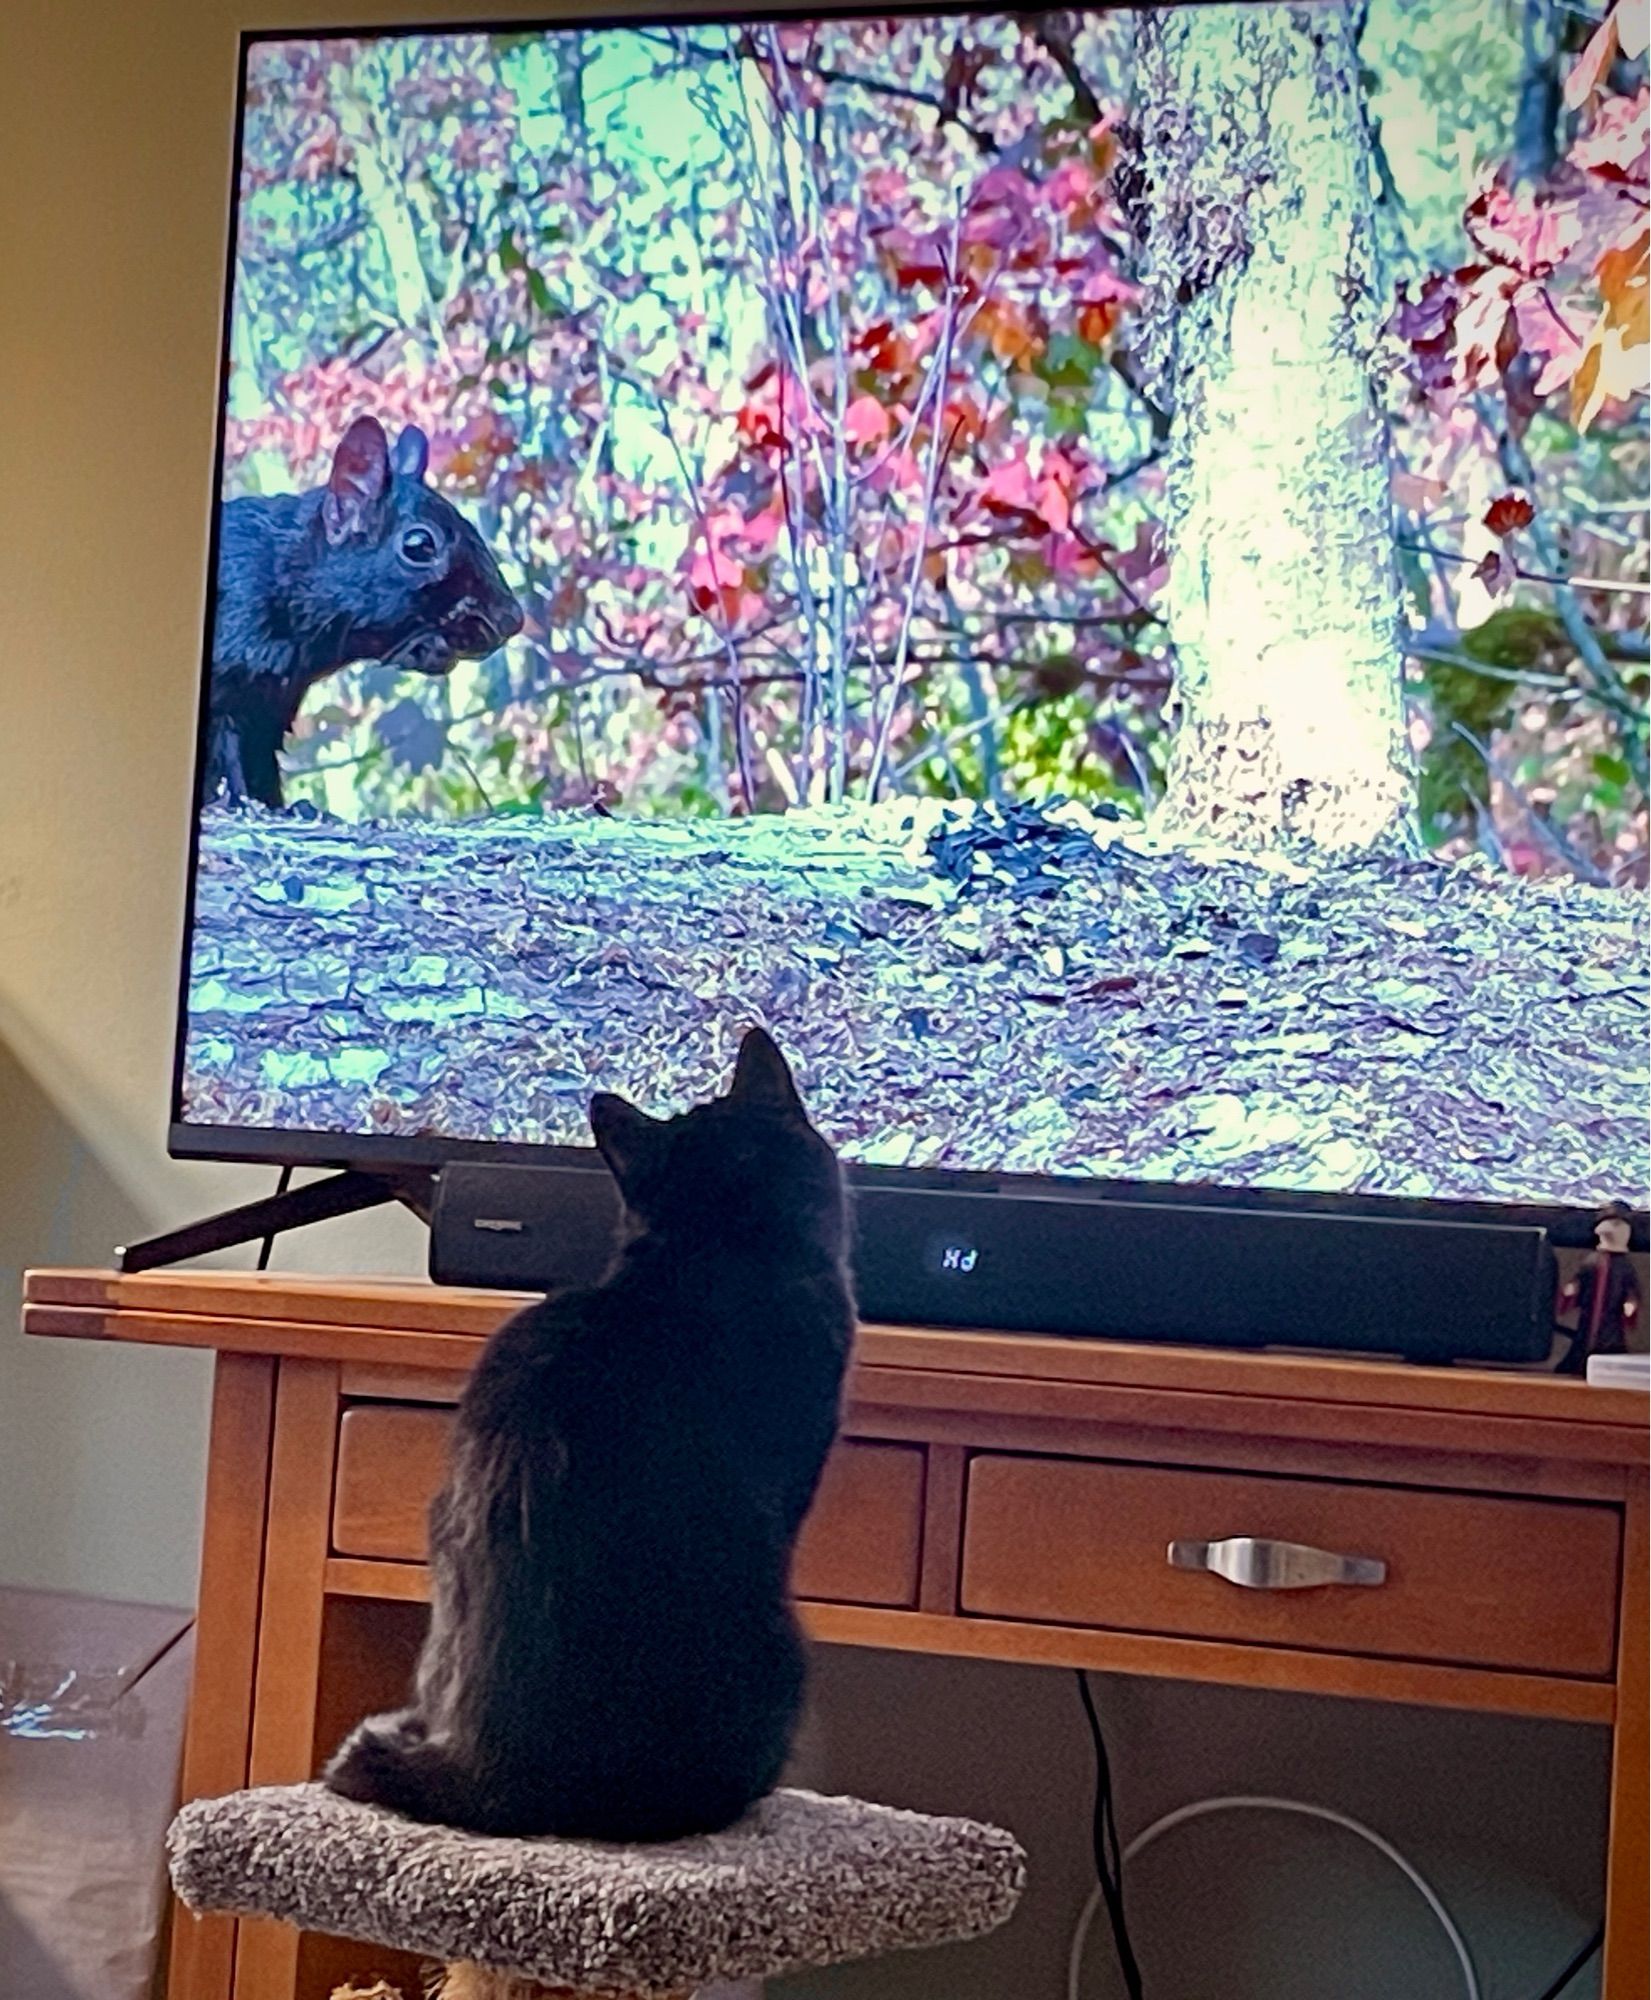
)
(1032, 991)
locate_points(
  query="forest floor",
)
(1035, 992)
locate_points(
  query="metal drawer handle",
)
(1264, 1565)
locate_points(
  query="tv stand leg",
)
(346, 1193)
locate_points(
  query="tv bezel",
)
(388, 1153)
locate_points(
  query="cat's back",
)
(713, 1397)
(685, 1385)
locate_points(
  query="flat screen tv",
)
(1087, 569)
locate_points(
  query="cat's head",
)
(747, 1168)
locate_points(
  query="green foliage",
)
(1518, 636)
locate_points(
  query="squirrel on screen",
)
(374, 565)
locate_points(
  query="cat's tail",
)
(389, 1761)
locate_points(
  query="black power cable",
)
(1575, 1965)
(1109, 1867)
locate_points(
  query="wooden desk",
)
(1003, 1498)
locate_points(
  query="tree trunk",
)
(1536, 120)
(380, 177)
(1254, 192)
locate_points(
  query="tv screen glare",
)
(1086, 569)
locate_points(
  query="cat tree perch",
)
(800, 1881)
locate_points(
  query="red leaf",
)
(757, 427)
(715, 583)
(1095, 322)
(1509, 512)
(932, 272)
(963, 420)
(882, 348)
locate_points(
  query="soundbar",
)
(1097, 1267)
(524, 1229)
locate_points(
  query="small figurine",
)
(1604, 1294)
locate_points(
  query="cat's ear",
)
(624, 1136)
(762, 1077)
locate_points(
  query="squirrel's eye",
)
(418, 545)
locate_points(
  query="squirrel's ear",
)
(411, 453)
(358, 482)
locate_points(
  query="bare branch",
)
(1053, 32)
(1546, 832)
(1622, 585)
(931, 485)
(877, 87)
(691, 488)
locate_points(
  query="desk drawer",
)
(861, 1545)
(1525, 1584)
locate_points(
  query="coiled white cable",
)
(1201, 1807)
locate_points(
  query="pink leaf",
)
(710, 573)
(1616, 146)
(1415, 492)
(1548, 338)
(884, 186)
(1072, 183)
(1479, 324)
(1531, 236)
(1590, 67)
(1055, 505)
(1069, 560)
(1105, 287)
(866, 421)
(1496, 572)
(1009, 489)
(763, 529)
(725, 524)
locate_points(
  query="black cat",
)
(612, 1651)
(374, 565)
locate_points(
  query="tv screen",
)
(1087, 569)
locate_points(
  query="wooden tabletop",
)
(412, 1324)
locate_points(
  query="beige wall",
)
(114, 166)
(114, 162)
